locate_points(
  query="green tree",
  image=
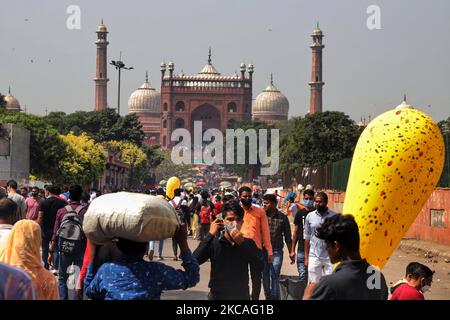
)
(317, 139)
(243, 169)
(47, 149)
(135, 157)
(102, 126)
(85, 160)
(2, 101)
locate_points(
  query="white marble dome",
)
(12, 103)
(270, 102)
(145, 99)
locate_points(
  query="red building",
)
(208, 96)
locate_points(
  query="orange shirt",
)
(256, 227)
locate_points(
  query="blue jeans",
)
(46, 239)
(271, 275)
(64, 262)
(160, 247)
(302, 271)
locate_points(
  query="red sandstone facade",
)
(217, 101)
(101, 79)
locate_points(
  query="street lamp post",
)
(119, 66)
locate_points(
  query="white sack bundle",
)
(132, 216)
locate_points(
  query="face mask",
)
(321, 209)
(230, 227)
(309, 203)
(246, 202)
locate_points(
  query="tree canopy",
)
(317, 139)
(2, 101)
(85, 160)
(243, 169)
(133, 156)
(46, 147)
(102, 126)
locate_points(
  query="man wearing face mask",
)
(297, 236)
(417, 281)
(230, 254)
(255, 227)
(316, 255)
(353, 278)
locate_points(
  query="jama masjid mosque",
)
(215, 99)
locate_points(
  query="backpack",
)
(205, 214)
(178, 209)
(70, 233)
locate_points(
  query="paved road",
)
(393, 271)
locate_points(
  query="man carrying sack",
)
(130, 221)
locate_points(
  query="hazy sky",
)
(365, 71)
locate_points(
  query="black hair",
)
(204, 194)
(51, 189)
(160, 192)
(235, 207)
(35, 188)
(8, 208)
(177, 192)
(418, 270)
(75, 192)
(270, 197)
(12, 184)
(85, 197)
(218, 198)
(244, 189)
(309, 192)
(323, 196)
(131, 247)
(227, 197)
(342, 229)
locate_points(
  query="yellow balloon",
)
(172, 184)
(396, 165)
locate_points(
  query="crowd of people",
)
(241, 233)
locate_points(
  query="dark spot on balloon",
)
(365, 201)
(385, 233)
(389, 163)
(398, 112)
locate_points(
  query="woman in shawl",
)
(21, 249)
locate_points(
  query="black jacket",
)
(229, 266)
(352, 280)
